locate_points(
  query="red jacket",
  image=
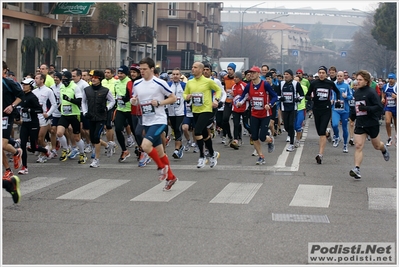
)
(135, 110)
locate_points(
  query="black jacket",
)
(96, 97)
(322, 90)
(30, 107)
(368, 97)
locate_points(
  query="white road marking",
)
(312, 196)
(27, 187)
(382, 198)
(156, 194)
(237, 193)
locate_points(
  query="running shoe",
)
(95, 163)
(329, 135)
(319, 158)
(74, 153)
(124, 155)
(144, 159)
(93, 154)
(234, 145)
(255, 153)
(355, 173)
(181, 151)
(297, 143)
(15, 192)
(196, 149)
(8, 174)
(169, 184)
(214, 159)
(229, 142)
(110, 148)
(130, 141)
(88, 148)
(288, 139)
(345, 149)
(82, 158)
(41, 159)
(270, 145)
(261, 161)
(18, 159)
(175, 154)
(223, 140)
(290, 148)
(53, 154)
(24, 170)
(389, 142)
(386, 153)
(64, 155)
(163, 173)
(336, 141)
(201, 162)
(351, 142)
(187, 146)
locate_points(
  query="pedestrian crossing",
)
(306, 195)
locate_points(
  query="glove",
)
(220, 104)
(362, 107)
(282, 99)
(67, 98)
(337, 104)
(297, 100)
(24, 110)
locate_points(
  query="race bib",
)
(177, 103)
(288, 97)
(5, 123)
(25, 116)
(391, 102)
(322, 93)
(198, 99)
(258, 103)
(229, 94)
(360, 112)
(147, 108)
(351, 102)
(67, 109)
(341, 107)
(121, 103)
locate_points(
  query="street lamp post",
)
(242, 24)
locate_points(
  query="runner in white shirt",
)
(43, 93)
(56, 87)
(150, 92)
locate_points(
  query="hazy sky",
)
(340, 5)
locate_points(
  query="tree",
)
(257, 46)
(384, 30)
(366, 53)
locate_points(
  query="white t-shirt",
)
(56, 89)
(146, 91)
(81, 85)
(43, 94)
(177, 108)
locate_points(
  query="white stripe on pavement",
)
(35, 184)
(94, 190)
(156, 194)
(382, 198)
(312, 196)
(237, 193)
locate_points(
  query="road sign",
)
(72, 8)
(295, 53)
(343, 54)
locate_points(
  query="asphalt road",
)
(235, 213)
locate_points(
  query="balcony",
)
(143, 34)
(183, 15)
(89, 29)
(184, 45)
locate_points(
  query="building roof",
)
(274, 25)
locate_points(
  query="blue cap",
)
(124, 69)
(232, 65)
(391, 76)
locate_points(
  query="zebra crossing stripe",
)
(317, 196)
(93, 190)
(35, 184)
(156, 194)
(382, 198)
(237, 193)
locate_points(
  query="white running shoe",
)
(95, 163)
(201, 162)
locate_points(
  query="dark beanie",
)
(124, 69)
(289, 71)
(99, 74)
(322, 68)
(58, 75)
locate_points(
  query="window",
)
(172, 9)
(32, 6)
(172, 32)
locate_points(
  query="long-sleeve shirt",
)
(322, 90)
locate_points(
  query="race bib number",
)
(258, 103)
(391, 102)
(351, 102)
(67, 109)
(147, 108)
(121, 103)
(198, 99)
(322, 93)
(25, 116)
(5, 123)
(229, 94)
(288, 97)
(178, 102)
(360, 112)
(341, 107)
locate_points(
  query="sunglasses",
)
(95, 77)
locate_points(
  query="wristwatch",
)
(13, 106)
